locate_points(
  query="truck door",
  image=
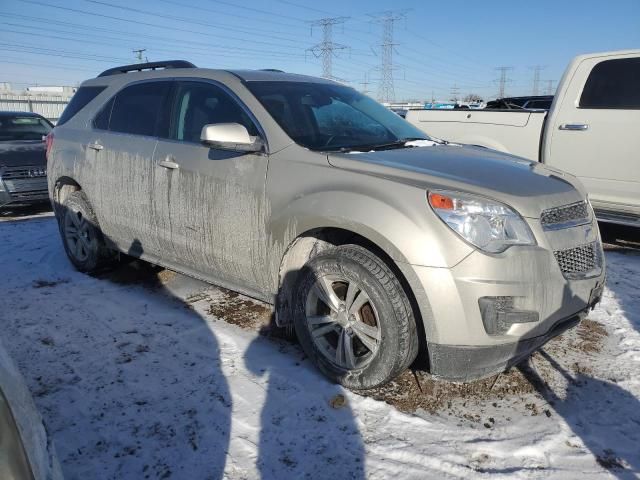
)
(595, 136)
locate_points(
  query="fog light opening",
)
(499, 314)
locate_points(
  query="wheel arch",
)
(316, 240)
(62, 187)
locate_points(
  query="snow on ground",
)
(139, 381)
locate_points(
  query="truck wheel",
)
(353, 318)
(81, 236)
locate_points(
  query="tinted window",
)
(101, 121)
(322, 116)
(139, 109)
(198, 104)
(79, 100)
(613, 84)
(23, 128)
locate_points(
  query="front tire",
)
(353, 318)
(81, 236)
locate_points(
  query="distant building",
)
(48, 101)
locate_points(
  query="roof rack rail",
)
(271, 70)
(139, 67)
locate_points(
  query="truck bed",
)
(512, 131)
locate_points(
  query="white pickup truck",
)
(591, 131)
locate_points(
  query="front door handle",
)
(169, 163)
(95, 146)
(578, 127)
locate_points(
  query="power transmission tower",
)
(365, 84)
(386, 92)
(455, 93)
(503, 80)
(536, 79)
(138, 53)
(550, 89)
(326, 49)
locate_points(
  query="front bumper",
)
(23, 185)
(459, 345)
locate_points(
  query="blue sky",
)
(439, 44)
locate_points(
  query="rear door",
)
(210, 206)
(595, 133)
(120, 154)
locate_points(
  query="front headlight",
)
(489, 225)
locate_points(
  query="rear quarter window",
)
(80, 100)
(613, 84)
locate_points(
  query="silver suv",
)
(372, 240)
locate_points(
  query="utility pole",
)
(326, 49)
(550, 89)
(503, 80)
(455, 93)
(536, 79)
(386, 92)
(138, 53)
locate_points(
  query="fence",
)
(49, 106)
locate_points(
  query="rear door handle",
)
(95, 146)
(169, 163)
(574, 126)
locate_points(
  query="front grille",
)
(26, 185)
(580, 262)
(26, 172)
(566, 216)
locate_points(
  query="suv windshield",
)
(323, 116)
(23, 128)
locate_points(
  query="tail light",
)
(49, 143)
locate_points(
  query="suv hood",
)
(22, 152)
(527, 186)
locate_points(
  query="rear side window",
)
(613, 84)
(140, 109)
(79, 100)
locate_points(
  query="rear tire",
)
(81, 235)
(353, 318)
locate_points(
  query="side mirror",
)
(230, 136)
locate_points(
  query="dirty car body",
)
(23, 165)
(324, 168)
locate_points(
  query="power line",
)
(386, 92)
(503, 80)
(327, 48)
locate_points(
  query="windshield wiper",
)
(400, 143)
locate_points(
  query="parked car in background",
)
(26, 450)
(371, 239)
(534, 102)
(23, 164)
(591, 131)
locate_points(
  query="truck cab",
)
(592, 132)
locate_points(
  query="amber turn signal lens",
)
(441, 202)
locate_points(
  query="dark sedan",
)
(23, 165)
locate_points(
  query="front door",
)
(211, 207)
(595, 134)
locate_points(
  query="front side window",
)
(198, 104)
(326, 117)
(613, 84)
(140, 109)
(13, 128)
